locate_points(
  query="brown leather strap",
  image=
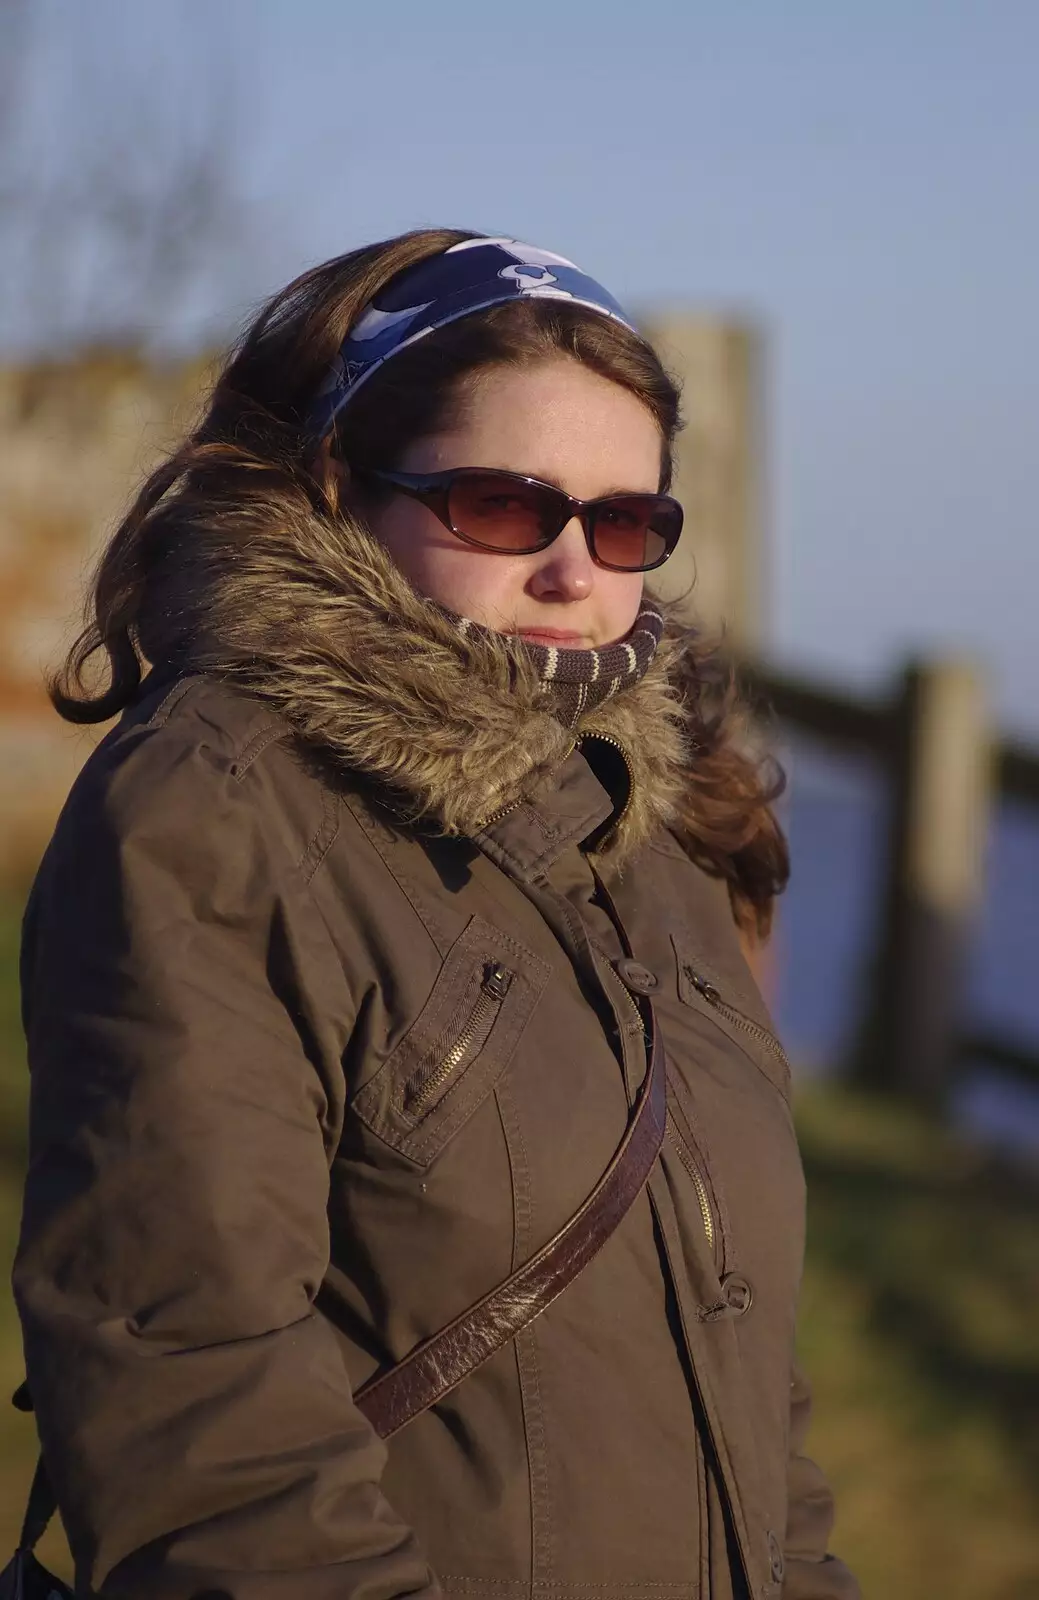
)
(440, 1362)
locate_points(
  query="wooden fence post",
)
(942, 776)
(717, 571)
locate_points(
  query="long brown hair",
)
(254, 443)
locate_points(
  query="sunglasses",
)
(514, 515)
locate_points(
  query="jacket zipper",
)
(685, 1154)
(686, 1158)
(424, 1087)
(714, 998)
(590, 733)
(496, 816)
(607, 738)
(505, 811)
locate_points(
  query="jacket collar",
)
(573, 808)
(312, 615)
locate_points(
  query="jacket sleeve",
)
(194, 1408)
(810, 1573)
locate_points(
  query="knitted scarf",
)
(579, 680)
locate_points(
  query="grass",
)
(918, 1326)
(919, 1323)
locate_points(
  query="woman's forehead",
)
(557, 421)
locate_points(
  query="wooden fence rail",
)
(945, 768)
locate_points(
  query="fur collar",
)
(311, 614)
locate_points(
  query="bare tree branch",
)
(111, 237)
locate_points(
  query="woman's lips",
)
(562, 641)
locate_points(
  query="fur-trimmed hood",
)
(313, 615)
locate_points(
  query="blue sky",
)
(862, 179)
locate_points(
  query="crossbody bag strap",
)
(41, 1505)
(437, 1365)
(39, 1510)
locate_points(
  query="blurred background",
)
(828, 218)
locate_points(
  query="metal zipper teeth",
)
(636, 1013)
(737, 1018)
(589, 733)
(607, 738)
(698, 1184)
(756, 1031)
(484, 1011)
(496, 816)
(685, 1155)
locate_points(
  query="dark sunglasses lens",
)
(502, 513)
(636, 531)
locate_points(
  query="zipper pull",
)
(496, 981)
(701, 984)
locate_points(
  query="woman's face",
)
(558, 422)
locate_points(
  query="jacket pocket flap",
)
(459, 1044)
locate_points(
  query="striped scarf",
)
(579, 680)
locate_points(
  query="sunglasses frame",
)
(433, 490)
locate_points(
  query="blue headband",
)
(467, 277)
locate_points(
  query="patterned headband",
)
(467, 277)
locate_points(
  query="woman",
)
(360, 941)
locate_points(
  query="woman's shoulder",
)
(196, 757)
(694, 898)
(674, 858)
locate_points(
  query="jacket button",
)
(775, 1555)
(738, 1293)
(636, 977)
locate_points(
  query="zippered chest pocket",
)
(735, 1010)
(459, 1044)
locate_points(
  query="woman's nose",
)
(565, 571)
